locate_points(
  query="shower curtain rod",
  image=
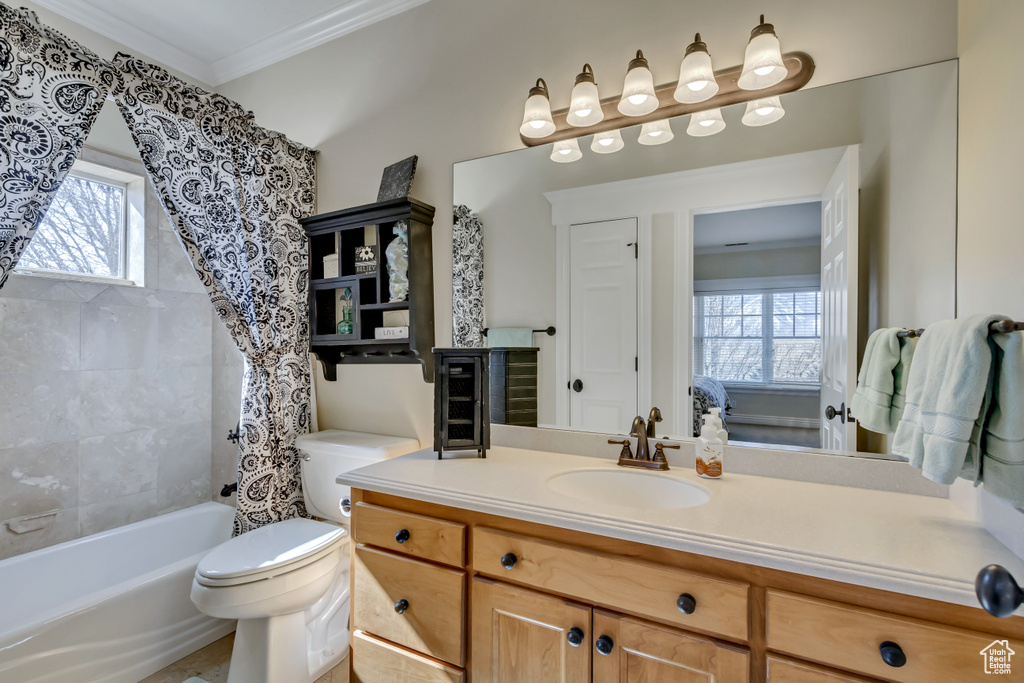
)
(995, 326)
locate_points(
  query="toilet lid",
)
(282, 546)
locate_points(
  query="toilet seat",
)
(269, 551)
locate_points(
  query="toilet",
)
(287, 583)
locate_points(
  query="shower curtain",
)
(235, 193)
(51, 90)
(467, 279)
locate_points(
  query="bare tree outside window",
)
(82, 232)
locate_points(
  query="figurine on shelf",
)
(398, 262)
(345, 311)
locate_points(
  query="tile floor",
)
(211, 665)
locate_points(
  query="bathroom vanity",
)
(537, 566)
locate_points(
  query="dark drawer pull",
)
(604, 645)
(686, 603)
(997, 591)
(892, 654)
(401, 606)
(575, 636)
(509, 560)
(402, 535)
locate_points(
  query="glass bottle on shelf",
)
(345, 311)
(398, 263)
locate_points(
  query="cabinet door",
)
(637, 652)
(520, 636)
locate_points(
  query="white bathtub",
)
(110, 607)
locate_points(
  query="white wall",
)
(447, 81)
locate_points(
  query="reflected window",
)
(769, 337)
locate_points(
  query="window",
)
(770, 337)
(85, 229)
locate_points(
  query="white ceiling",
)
(786, 226)
(215, 41)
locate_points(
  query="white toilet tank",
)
(327, 454)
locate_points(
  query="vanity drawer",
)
(850, 638)
(378, 661)
(430, 617)
(641, 588)
(410, 534)
(787, 671)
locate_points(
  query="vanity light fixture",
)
(696, 76)
(607, 142)
(655, 133)
(585, 108)
(764, 111)
(566, 151)
(638, 96)
(762, 63)
(705, 123)
(537, 121)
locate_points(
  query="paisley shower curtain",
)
(235, 193)
(51, 90)
(467, 279)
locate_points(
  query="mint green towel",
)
(876, 383)
(509, 336)
(900, 377)
(948, 382)
(1002, 435)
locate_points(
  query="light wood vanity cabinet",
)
(492, 599)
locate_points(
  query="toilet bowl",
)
(287, 583)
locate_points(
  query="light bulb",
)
(584, 103)
(762, 62)
(607, 142)
(655, 133)
(638, 96)
(566, 151)
(763, 111)
(604, 142)
(696, 75)
(704, 123)
(537, 122)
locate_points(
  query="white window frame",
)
(129, 183)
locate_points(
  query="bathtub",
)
(109, 607)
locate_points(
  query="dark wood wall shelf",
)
(340, 233)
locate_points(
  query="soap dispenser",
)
(710, 451)
(716, 421)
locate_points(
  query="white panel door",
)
(839, 216)
(603, 326)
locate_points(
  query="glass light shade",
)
(656, 133)
(566, 151)
(763, 111)
(704, 123)
(607, 142)
(638, 96)
(762, 63)
(537, 122)
(696, 75)
(585, 103)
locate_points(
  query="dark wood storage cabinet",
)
(340, 233)
(514, 386)
(461, 401)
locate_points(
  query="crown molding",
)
(287, 43)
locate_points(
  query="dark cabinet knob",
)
(604, 645)
(892, 654)
(686, 603)
(831, 412)
(509, 560)
(402, 535)
(401, 606)
(575, 636)
(577, 386)
(997, 591)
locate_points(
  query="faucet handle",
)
(627, 452)
(659, 453)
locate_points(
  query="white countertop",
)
(911, 544)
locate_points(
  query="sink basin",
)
(629, 488)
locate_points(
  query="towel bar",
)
(997, 326)
(550, 331)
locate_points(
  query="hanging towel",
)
(509, 336)
(900, 376)
(876, 384)
(1002, 435)
(945, 392)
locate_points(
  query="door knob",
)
(892, 654)
(577, 386)
(997, 591)
(575, 636)
(831, 412)
(604, 645)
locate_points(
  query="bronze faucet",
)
(655, 416)
(643, 457)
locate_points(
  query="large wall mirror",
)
(743, 270)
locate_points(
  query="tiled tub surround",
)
(123, 613)
(106, 394)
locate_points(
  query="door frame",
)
(563, 278)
